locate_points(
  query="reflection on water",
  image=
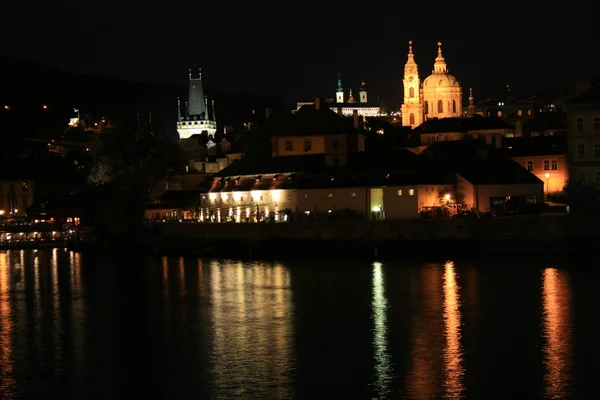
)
(75, 326)
(383, 367)
(7, 380)
(453, 353)
(426, 340)
(252, 329)
(557, 333)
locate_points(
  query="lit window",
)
(411, 192)
(330, 195)
(353, 194)
(399, 192)
(306, 196)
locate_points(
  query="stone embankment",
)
(511, 236)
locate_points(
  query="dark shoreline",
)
(435, 249)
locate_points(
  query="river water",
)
(89, 326)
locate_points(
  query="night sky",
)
(295, 49)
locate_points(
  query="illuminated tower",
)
(363, 90)
(413, 109)
(471, 106)
(339, 93)
(197, 120)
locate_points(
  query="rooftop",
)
(308, 120)
(464, 125)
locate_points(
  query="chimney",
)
(355, 118)
(267, 112)
(582, 84)
(317, 103)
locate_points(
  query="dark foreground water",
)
(84, 326)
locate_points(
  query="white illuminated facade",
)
(347, 108)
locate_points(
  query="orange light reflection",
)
(556, 327)
(453, 353)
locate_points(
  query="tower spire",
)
(339, 93)
(214, 114)
(363, 89)
(440, 63)
(178, 109)
(196, 98)
(471, 106)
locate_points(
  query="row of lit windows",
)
(548, 165)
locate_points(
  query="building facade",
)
(16, 195)
(583, 135)
(348, 107)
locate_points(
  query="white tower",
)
(363, 90)
(339, 93)
(197, 119)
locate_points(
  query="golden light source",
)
(45, 107)
(547, 175)
(1, 212)
(6, 107)
(447, 196)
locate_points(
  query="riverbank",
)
(532, 236)
(34, 245)
(434, 249)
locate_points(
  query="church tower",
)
(197, 120)
(339, 93)
(412, 109)
(363, 90)
(471, 106)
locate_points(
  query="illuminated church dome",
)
(442, 93)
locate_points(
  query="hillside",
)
(27, 86)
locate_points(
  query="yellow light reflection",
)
(7, 380)
(556, 326)
(453, 352)
(383, 366)
(252, 327)
(165, 273)
(182, 291)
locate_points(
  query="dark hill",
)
(27, 86)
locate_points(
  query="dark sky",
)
(295, 49)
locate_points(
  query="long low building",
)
(375, 186)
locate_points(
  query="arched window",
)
(454, 106)
(412, 119)
(440, 106)
(411, 92)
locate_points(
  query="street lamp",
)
(547, 176)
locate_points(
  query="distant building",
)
(315, 129)
(347, 108)
(583, 135)
(196, 118)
